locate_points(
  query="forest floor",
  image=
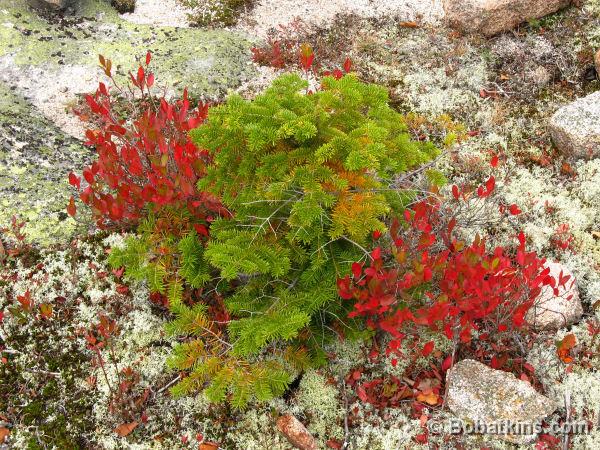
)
(497, 94)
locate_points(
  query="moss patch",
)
(35, 159)
(209, 62)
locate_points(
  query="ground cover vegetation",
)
(255, 218)
(299, 252)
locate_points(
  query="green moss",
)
(47, 414)
(34, 166)
(209, 62)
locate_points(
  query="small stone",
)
(296, 433)
(487, 397)
(552, 311)
(490, 17)
(575, 128)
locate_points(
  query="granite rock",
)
(490, 17)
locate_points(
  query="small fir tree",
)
(307, 179)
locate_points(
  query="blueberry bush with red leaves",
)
(146, 160)
(283, 44)
(422, 275)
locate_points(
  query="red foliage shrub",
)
(426, 277)
(271, 54)
(145, 156)
(284, 44)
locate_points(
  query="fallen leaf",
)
(409, 25)
(46, 310)
(430, 398)
(126, 428)
(567, 169)
(563, 348)
(208, 446)
(4, 432)
(334, 443)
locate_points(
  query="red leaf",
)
(447, 363)
(494, 161)
(455, 192)
(490, 184)
(347, 65)
(150, 80)
(521, 237)
(140, 75)
(148, 57)
(421, 438)
(514, 210)
(307, 56)
(71, 209)
(427, 274)
(428, 348)
(563, 348)
(356, 270)
(201, 229)
(88, 175)
(25, 300)
(376, 254)
(74, 180)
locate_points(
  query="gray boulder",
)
(492, 399)
(493, 16)
(553, 310)
(52, 4)
(575, 128)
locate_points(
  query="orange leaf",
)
(46, 310)
(4, 432)
(71, 209)
(208, 446)
(568, 342)
(126, 428)
(2, 252)
(564, 347)
(429, 398)
(409, 24)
